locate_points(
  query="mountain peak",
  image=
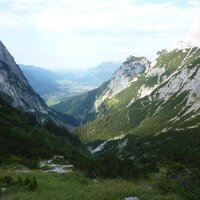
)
(120, 79)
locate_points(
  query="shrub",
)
(181, 180)
(25, 183)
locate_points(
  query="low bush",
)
(25, 183)
(182, 180)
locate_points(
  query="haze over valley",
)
(54, 86)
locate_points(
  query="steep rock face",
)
(120, 79)
(6, 57)
(14, 85)
(185, 81)
(15, 89)
(130, 68)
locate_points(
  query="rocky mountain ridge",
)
(167, 93)
(15, 85)
(120, 79)
(15, 89)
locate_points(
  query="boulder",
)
(131, 198)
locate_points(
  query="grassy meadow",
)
(75, 186)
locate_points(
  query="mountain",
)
(155, 118)
(80, 106)
(25, 142)
(16, 91)
(165, 97)
(57, 85)
(146, 127)
(99, 74)
(31, 132)
(85, 107)
(43, 81)
(132, 67)
(15, 87)
(93, 76)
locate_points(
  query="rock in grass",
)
(131, 198)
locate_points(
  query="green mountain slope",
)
(166, 97)
(24, 140)
(80, 107)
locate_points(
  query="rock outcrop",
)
(17, 92)
(121, 78)
(15, 87)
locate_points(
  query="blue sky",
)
(60, 34)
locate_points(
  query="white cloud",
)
(67, 29)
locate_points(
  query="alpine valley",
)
(136, 136)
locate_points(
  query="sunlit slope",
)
(165, 97)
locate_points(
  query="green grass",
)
(74, 186)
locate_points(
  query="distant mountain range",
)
(97, 75)
(46, 82)
(43, 81)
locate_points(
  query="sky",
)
(78, 34)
